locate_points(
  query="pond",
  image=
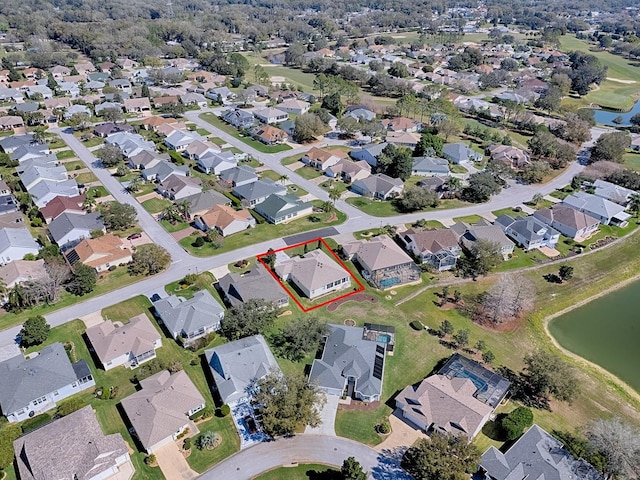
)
(605, 331)
(607, 117)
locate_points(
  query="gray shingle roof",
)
(256, 283)
(259, 189)
(67, 222)
(239, 174)
(235, 365)
(80, 449)
(179, 314)
(278, 206)
(589, 203)
(24, 380)
(16, 237)
(536, 455)
(438, 166)
(346, 354)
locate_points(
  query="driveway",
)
(328, 417)
(402, 434)
(324, 449)
(239, 412)
(173, 464)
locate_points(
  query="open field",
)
(615, 95)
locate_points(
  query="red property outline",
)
(293, 297)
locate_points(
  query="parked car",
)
(134, 236)
(252, 426)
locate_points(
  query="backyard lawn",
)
(263, 232)
(261, 147)
(632, 161)
(156, 205)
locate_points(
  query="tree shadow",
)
(388, 466)
(324, 475)
(493, 430)
(552, 278)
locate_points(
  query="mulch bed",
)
(357, 297)
(358, 405)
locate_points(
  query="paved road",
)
(184, 263)
(307, 449)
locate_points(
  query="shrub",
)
(225, 410)
(199, 242)
(69, 406)
(112, 268)
(184, 433)
(187, 444)
(35, 422)
(384, 427)
(514, 423)
(417, 325)
(150, 459)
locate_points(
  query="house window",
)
(40, 400)
(56, 393)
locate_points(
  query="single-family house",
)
(130, 143)
(403, 139)
(450, 402)
(511, 156)
(192, 98)
(177, 187)
(278, 209)
(106, 106)
(163, 170)
(314, 273)
(350, 362)
(382, 262)
(136, 105)
(146, 159)
(257, 192)
(469, 234)
(191, 319)
(59, 71)
(438, 247)
(15, 243)
(46, 190)
(400, 124)
(76, 110)
(241, 119)
(100, 253)
(225, 220)
(378, 187)
(459, 152)
(11, 122)
(129, 344)
(216, 163)
(18, 271)
(121, 84)
(159, 412)
(43, 160)
(295, 106)
(39, 90)
(8, 203)
(321, 159)
(536, 454)
(33, 175)
(34, 384)
(12, 143)
(608, 213)
(26, 152)
(80, 450)
(257, 283)
(103, 130)
(368, 153)
(360, 112)
(568, 221)
(179, 140)
(202, 202)
(237, 365)
(11, 94)
(239, 176)
(349, 171)
(430, 166)
(269, 135)
(528, 232)
(270, 115)
(199, 148)
(612, 192)
(219, 94)
(68, 229)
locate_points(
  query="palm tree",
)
(334, 195)
(89, 203)
(283, 178)
(327, 206)
(453, 184)
(184, 207)
(134, 185)
(171, 214)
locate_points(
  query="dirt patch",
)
(358, 405)
(619, 80)
(349, 322)
(357, 297)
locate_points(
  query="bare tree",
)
(507, 299)
(619, 442)
(51, 286)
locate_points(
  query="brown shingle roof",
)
(222, 216)
(94, 252)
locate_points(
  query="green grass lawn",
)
(379, 208)
(261, 147)
(309, 173)
(204, 281)
(291, 160)
(156, 205)
(202, 132)
(560, 194)
(339, 186)
(509, 211)
(455, 168)
(173, 227)
(86, 177)
(470, 219)
(74, 165)
(92, 142)
(106, 282)
(145, 189)
(296, 190)
(271, 175)
(65, 154)
(99, 191)
(632, 161)
(216, 140)
(301, 472)
(263, 232)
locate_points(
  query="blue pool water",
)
(481, 385)
(383, 338)
(389, 282)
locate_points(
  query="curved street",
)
(252, 461)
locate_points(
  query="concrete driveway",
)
(173, 464)
(328, 417)
(402, 434)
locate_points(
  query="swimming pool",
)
(383, 338)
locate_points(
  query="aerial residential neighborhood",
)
(338, 241)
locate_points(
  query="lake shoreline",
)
(628, 389)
